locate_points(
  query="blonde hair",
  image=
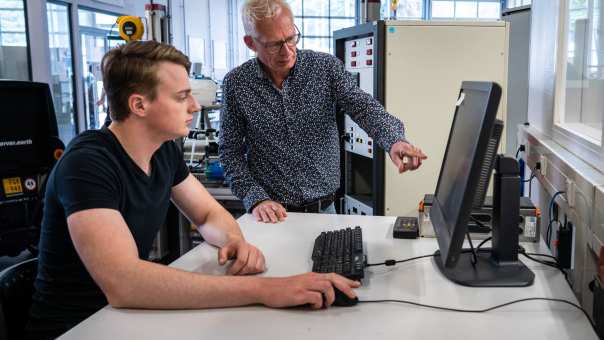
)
(132, 68)
(254, 11)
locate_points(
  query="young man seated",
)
(109, 193)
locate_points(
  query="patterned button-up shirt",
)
(283, 144)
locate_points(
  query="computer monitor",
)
(29, 146)
(470, 157)
(28, 127)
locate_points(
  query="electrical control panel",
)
(414, 69)
(358, 60)
(357, 206)
(356, 139)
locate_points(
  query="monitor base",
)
(486, 272)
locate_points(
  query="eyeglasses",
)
(275, 47)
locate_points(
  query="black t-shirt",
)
(95, 172)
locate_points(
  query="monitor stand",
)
(498, 266)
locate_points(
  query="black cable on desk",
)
(552, 264)
(544, 255)
(393, 262)
(480, 224)
(522, 251)
(547, 263)
(483, 242)
(486, 309)
(474, 259)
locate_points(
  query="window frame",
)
(427, 11)
(502, 3)
(83, 118)
(301, 17)
(506, 4)
(584, 147)
(69, 6)
(27, 40)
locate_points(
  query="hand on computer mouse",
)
(343, 300)
(314, 289)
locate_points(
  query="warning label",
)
(30, 184)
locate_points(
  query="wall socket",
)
(543, 161)
(570, 193)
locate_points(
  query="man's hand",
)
(247, 258)
(269, 211)
(406, 156)
(304, 289)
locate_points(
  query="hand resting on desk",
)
(269, 212)
(247, 258)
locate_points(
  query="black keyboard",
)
(341, 252)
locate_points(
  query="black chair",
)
(29, 147)
(16, 289)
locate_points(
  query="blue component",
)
(214, 170)
(521, 168)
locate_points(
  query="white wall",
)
(220, 37)
(197, 39)
(130, 7)
(213, 34)
(177, 11)
(544, 35)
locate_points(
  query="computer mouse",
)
(342, 300)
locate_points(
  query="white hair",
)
(254, 11)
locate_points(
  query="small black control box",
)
(405, 227)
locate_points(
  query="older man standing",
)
(279, 138)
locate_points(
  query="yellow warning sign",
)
(12, 186)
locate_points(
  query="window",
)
(61, 69)
(466, 9)
(238, 48)
(14, 57)
(443, 9)
(317, 19)
(94, 28)
(406, 9)
(579, 100)
(517, 3)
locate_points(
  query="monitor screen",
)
(461, 168)
(27, 121)
(470, 157)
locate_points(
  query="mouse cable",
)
(486, 309)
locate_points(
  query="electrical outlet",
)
(570, 193)
(543, 161)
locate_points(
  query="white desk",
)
(287, 247)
